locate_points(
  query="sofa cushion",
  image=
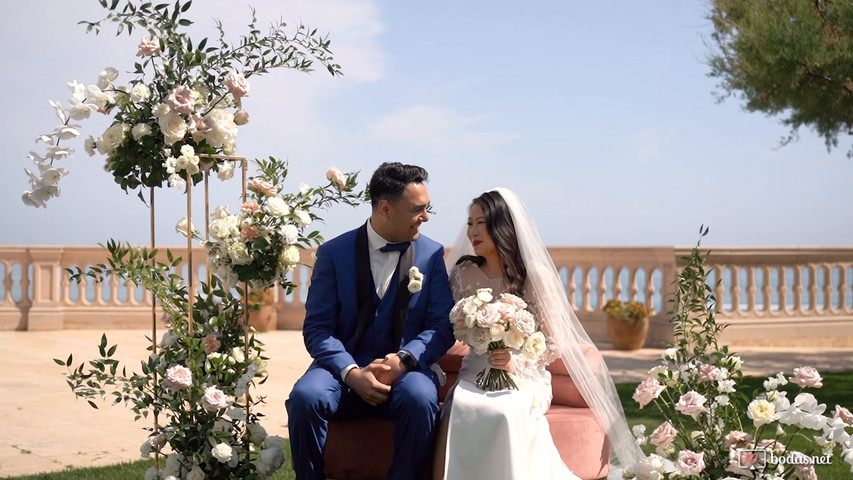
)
(581, 441)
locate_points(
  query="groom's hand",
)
(393, 372)
(365, 384)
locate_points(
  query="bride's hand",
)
(501, 359)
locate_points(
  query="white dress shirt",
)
(382, 266)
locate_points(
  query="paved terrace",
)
(46, 429)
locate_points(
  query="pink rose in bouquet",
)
(486, 323)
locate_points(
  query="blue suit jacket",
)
(331, 310)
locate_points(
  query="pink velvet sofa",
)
(579, 437)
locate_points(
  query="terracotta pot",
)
(627, 334)
(264, 319)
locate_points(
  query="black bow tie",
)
(395, 247)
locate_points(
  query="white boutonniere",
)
(416, 280)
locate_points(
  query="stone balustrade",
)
(767, 295)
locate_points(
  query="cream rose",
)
(173, 127)
(534, 346)
(112, 138)
(277, 207)
(239, 254)
(337, 178)
(303, 217)
(222, 452)
(140, 130)
(225, 170)
(241, 117)
(761, 412)
(514, 339)
(484, 295)
(184, 227)
(288, 257)
(290, 234)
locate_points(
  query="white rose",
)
(237, 84)
(484, 295)
(184, 227)
(222, 452)
(112, 138)
(761, 412)
(225, 171)
(290, 234)
(223, 228)
(174, 127)
(535, 345)
(221, 211)
(139, 93)
(514, 339)
(214, 399)
(89, 146)
(160, 110)
(152, 473)
(288, 258)
(302, 217)
(270, 460)
(277, 207)
(239, 254)
(177, 182)
(669, 354)
(188, 163)
(140, 130)
(304, 188)
(223, 130)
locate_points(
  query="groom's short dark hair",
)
(390, 179)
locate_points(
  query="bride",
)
(504, 434)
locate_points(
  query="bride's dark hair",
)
(502, 230)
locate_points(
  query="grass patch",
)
(837, 389)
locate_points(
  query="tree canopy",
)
(787, 58)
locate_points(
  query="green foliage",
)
(788, 58)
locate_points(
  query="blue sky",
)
(599, 114)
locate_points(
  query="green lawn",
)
(838, 389)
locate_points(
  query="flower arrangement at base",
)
(197, 382)
(486, 323)
(626, 311)
(714, 428)
(261, 244)
(186, 98)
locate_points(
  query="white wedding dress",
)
(502, 434)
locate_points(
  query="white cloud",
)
(437, 128)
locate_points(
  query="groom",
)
(374, 327)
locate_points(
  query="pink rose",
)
(210, 343)
(648, 390)
(663, 436)
(513, 300)
(249, 233)
(148, 46)
(691, 403)
(181, 99)
(736, 439)
(241, 117)
(844, 415)
(249, 208)
(770, 443)
(690, 463)
(214, 399)
(178, 378)
(263, 187)
(708, 373)
(524, 322)
(807, 377)
(487, 316)
(506, 311)
(804, 467)
(337, 177)
(237, 84)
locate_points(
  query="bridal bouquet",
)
(487, 323)
(715, 429)
(262, 244)
(185, 98)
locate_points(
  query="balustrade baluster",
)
(766, 290)
(827, 289)
(602, 288)
(812, 289)
(587, 291)
(736, 291)
(783, 290)
(632, 285)
(571, 288)
(719, 288)
(798, 290)
(751, 290)
(841, 288)
(650, 287)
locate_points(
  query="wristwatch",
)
(407, 360)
